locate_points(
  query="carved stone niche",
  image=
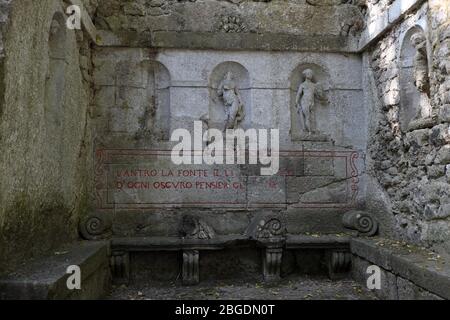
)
(142, 101)
(223, 98)
(311, 116)
(155, 120)
(415, 107)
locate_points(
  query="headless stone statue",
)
(234, 108)
(307, 92)
(421, 78)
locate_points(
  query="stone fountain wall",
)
(144, 93)
(156, 66)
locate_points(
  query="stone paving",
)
(292, 288)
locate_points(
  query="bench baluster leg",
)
(338, 263)
(272, 264)
(191, 267)
(120, 267)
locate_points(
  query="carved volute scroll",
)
(267, 228)
(361, 221)
(95, 226)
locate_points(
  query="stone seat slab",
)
(428, 270)
(174, 243)
(46, 277)
(317, 242)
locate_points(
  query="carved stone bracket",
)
(338, 263)
(272, 263)
(95, 227)
(191, 267)
(120, 267)
(361, 221)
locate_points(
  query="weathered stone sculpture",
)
(273, 228)
(307, 92)
(421, 82)
(194, 228)
(421, 79)
(234, 107)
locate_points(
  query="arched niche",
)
(55, 83)
(414, 103)
(157, 113)
(321, 116)
(142, 98)
(217, 115)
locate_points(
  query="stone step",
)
(46, 278)
(407, 272)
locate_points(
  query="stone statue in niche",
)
(234, 107)
(307, 94)
(421, 82)
(421, 79)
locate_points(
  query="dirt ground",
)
(293, 288)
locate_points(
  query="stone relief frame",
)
(320, 115)
(415, 107)
(217, 117)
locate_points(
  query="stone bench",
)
(337, 252)
(407, 272)
(266, 231)
(190, 248)
(337, 248)
(46, 278)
